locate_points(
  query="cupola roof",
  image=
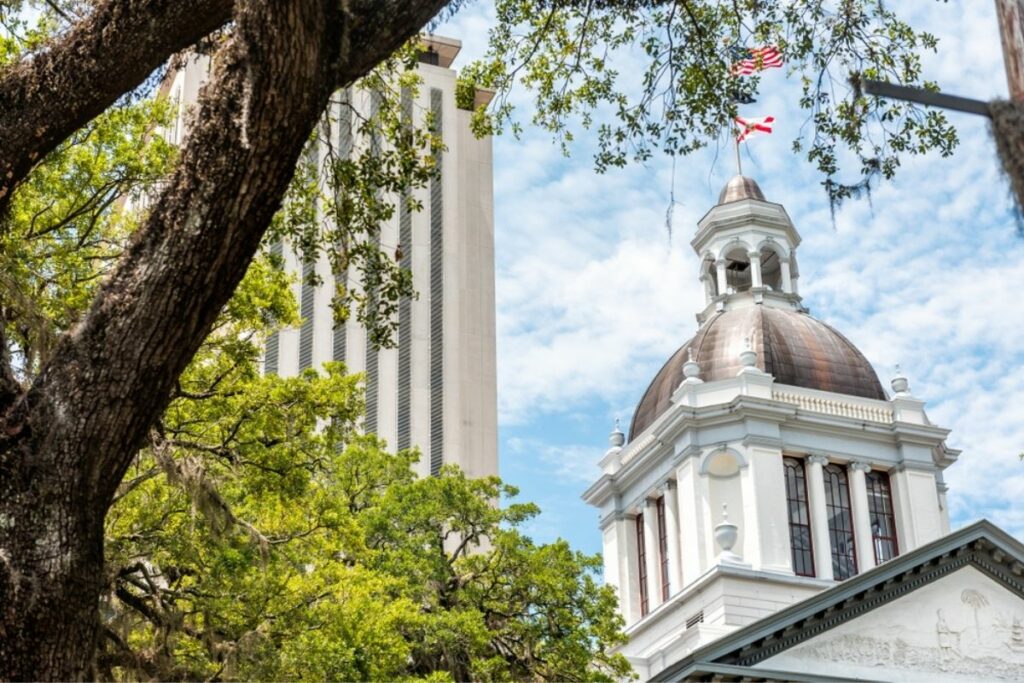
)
(740, 187)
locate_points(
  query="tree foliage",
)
(680, 94)
(259, 536)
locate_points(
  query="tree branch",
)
(50, 94)
(116, 370)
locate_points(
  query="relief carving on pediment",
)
(974, 632)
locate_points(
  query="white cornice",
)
(747, 212)
(599, 491)
(649, 451)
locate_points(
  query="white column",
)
(755, 269)
(652, 550)
(861, 519)
(787, 282)
(675, 577)
(819, 516)
(720, 273)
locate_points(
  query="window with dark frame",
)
(663, 547)
(641, 556)
(430, 56)
(840, 522)
(799, 517)
(883, 519)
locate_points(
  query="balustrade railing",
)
(830, 406)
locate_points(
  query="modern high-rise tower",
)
(437, 388)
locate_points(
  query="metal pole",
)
(739, 166)
(925, 97)
(1010, 14)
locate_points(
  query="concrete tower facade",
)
(437, 389)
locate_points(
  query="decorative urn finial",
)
(616, 438)
(691, 368)
(900, 384)
(748, 356)
(726, 535)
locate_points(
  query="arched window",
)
(883, 522)
(737, 270)
(840, 522)
(799, 517)
(771, 269)
(641, 555)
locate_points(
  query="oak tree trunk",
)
(66, 441)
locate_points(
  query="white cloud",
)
(573, 464)
(591, 299)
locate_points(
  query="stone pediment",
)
(952, 610)
(962, 626)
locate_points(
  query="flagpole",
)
(739, 166)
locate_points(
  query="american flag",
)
(751, 60)
(762, 124)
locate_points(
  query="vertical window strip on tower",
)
(641, 556)
(273, 345)
(312, 160)
(306, 311)
(840, 522)
(372, 352)
(663, 548)
(436, 298)
(344, 117)
(405, 305)
(883, 520)
(799, 517)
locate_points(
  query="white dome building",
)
(775, 515)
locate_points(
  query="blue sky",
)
(593, 295)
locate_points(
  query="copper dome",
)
(740, 187)
(792, 346)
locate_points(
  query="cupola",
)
(747, 244)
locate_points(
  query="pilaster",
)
(691, 520)
(768, 503)
(629, 571)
